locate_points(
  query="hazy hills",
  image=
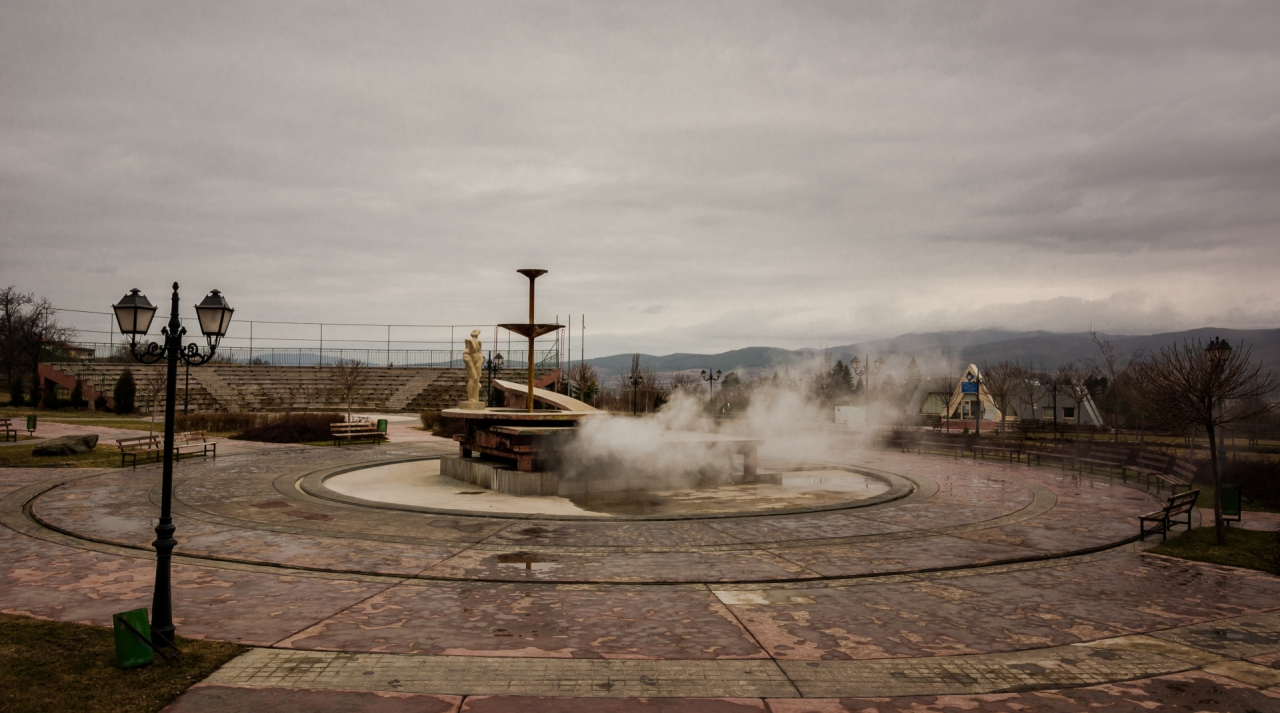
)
(1042, 349)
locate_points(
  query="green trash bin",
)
(133, 639)
(31, 424)
(382, 425)
(1231, 502)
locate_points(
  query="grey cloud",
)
(764, 173)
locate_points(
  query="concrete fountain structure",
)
(519, 451)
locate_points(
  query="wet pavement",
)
(989, 587)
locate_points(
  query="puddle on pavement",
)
(789, 490)
(528, 561)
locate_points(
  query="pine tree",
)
(913, 374)
(125, 393)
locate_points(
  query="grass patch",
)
(103, 456)
(1251, 549)
(132, 424)
(52, 666)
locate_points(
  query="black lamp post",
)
(711, 380)
(492, 366)
(636, 380)
(867, 371)
(134, 314)
(1219, 352)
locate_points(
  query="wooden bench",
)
(1163, 519)
(1013, 454)
(940, 444)
(1063, 456)
(190, 443)
(186, 443)
(1149, 465)
(355, 430)
(151, 447)
(1180, 472)
(10, 433)
(1108, 457)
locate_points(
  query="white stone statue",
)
(473, 359)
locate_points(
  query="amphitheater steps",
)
(227, 387)
(400, 400)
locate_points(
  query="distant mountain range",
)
(1045, 349)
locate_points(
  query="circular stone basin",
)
(419, 484)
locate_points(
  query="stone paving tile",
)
(612, 534)
(1136, 593)
(979, 611)
(932, 514)
(1045, 536)
(900, 554)
(247, 607)
(1022, 670)
(12, 479)
(1241, 638)
(1190, 691)
(232, 699)
(808, 526)
(507, 704)
(119, 516)
(511, 620)
(489, 676)
(511, 565)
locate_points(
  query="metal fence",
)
(314, 356)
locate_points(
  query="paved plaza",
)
(966, 585)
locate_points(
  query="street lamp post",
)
(867, 371)
(711, 380)
(492, 366)
(1219, 351)
(636, 380)
(134, 314)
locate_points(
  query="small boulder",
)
(66, 445)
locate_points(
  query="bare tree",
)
(947, 383)
(1071, 380)
(685, 382)
(349, 375)
(1185, 385)
(1003, 381)
(151, 383)
(585, 379)
(1116, 373)
(1029, 389)
(28, 329)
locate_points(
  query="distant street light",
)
(867, 371)
(134, 314)
(1219, 352)
(711, 380)
(492, 366)
(636, 380)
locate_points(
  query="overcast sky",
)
(697, 176)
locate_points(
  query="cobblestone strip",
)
(465, 675)
(1058, 667)
(1216, 647)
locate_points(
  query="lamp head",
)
(1219, 350)
(214, 314)
(133, 313)
(497, 361)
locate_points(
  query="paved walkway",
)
(986, 587)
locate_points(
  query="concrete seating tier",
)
(234, 388)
